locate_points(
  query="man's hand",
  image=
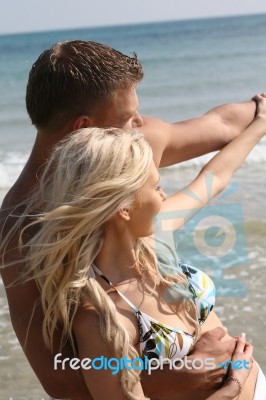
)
(261, 104)
(166, 383)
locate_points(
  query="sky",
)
(40, 15)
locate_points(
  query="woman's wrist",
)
(232, 388)
(258, 128)
(260, 117)
(225, 393)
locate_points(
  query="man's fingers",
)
(216, 333)
(260, 96)
(257, 98)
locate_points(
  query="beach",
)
(190, 66)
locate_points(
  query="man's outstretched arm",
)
(180, 141)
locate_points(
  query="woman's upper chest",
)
(153, 306)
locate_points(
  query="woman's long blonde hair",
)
(89, 177)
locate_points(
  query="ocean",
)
(190, 67)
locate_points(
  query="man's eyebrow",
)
(132, 112)
(127, 116)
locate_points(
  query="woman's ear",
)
(124, 214)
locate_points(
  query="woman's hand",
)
(243, 352)
(237, 377)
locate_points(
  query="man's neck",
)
(28, 179)
(44, 144)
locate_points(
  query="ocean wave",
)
(11, 165)
(257, 156)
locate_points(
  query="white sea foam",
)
(257, 155)
(247, 309)
(11, 164)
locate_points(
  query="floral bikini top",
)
(160, 340)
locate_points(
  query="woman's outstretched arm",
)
(216, 174)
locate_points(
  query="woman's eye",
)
(158, 188)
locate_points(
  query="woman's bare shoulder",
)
(86, 321)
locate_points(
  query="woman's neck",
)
(117, 257)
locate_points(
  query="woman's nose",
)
(163, 194)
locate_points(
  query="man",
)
(84, 84)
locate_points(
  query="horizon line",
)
(128, 24)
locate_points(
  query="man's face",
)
(120, 111)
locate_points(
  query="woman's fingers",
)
(248, 351)
(240, 343)
(243, 351)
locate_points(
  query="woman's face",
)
(148, 204)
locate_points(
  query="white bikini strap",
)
(99, 272)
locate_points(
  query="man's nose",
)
(137, 121)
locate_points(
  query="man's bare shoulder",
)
(21, 295)
(11, 209)
(153, 123)
(157, 133)
(7, 220)
(14, 202)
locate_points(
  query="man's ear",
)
(82, 121)
(124, 214)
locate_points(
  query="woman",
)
(94, 259)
